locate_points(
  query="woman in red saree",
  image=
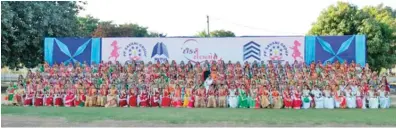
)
(122, 101)
(143, 98)
(166, 101)
(133, 96)
(49, 98)
(176, 100)
(297, 99)
(29, 96)
(154, 100)
(38, 100)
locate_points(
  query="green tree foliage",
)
(25, 24)
(108, 29)
(215, 33)
(377, 23)
(87, 25)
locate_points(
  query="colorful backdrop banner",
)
(331, 48)
(66, 50)
(278, 49)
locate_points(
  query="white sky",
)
(243, 17)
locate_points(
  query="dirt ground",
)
(26, 121)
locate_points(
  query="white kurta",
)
(383, 100)
(232, 99)
(328, 100)
(319, 100)
(305, 95)
(373, 100)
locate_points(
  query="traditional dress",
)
(38, 100)
(112, 98)
(101, 100)
(318, 98)
(222, 97)
(176, 101)
(383, 99)
(232, 98)
(328, 100)
(69, 99)
(132, 97)
(29, 98)
(91, 98)
(155, 100)
(49, 99)
(297, 100)
(359, 99)
(287, 99)
(264, 98)
(277, 100)
(200, 98)
(80, 99)
(122, 99)
(19, 96)
(350, 98)
(165, 101)
(242, 99)
(144, 99)
(211, 99)
(373, 100)
(306, 99)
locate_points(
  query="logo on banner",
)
(251, 50)
(192, 52)
(114, 53)
(276, 51)
(296, 51)
(135, 51)
(160, 52)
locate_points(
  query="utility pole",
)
(207, 18)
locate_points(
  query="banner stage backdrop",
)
(279, 49)
(332, 48)
(276, 48)
(66, 50)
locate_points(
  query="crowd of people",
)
(213, 84)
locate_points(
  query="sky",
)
(243, 17)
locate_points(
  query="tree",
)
(221, 33)
(108, 29)
(216, 33)
(25, 24)
(87, 25)
(374, 22)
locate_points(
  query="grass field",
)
(258, 117)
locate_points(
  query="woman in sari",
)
(296, 98)
(19, 95)
(144, 98)
(101, 100)
(122, 98)
(211, 97)
(112, 97)
(277, 100)
(176, 99)
(242, 97)
(287, 100)
(359, 98)
(166, 100)
(132, 97)
(222, 96)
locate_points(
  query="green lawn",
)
(183, 115)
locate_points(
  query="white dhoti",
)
(373, 103)
(233, 101)
(329, 103)
(319, 102)
(383, 102)
(351, 102)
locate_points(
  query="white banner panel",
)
(240, 49)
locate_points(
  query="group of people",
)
(213, 84)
